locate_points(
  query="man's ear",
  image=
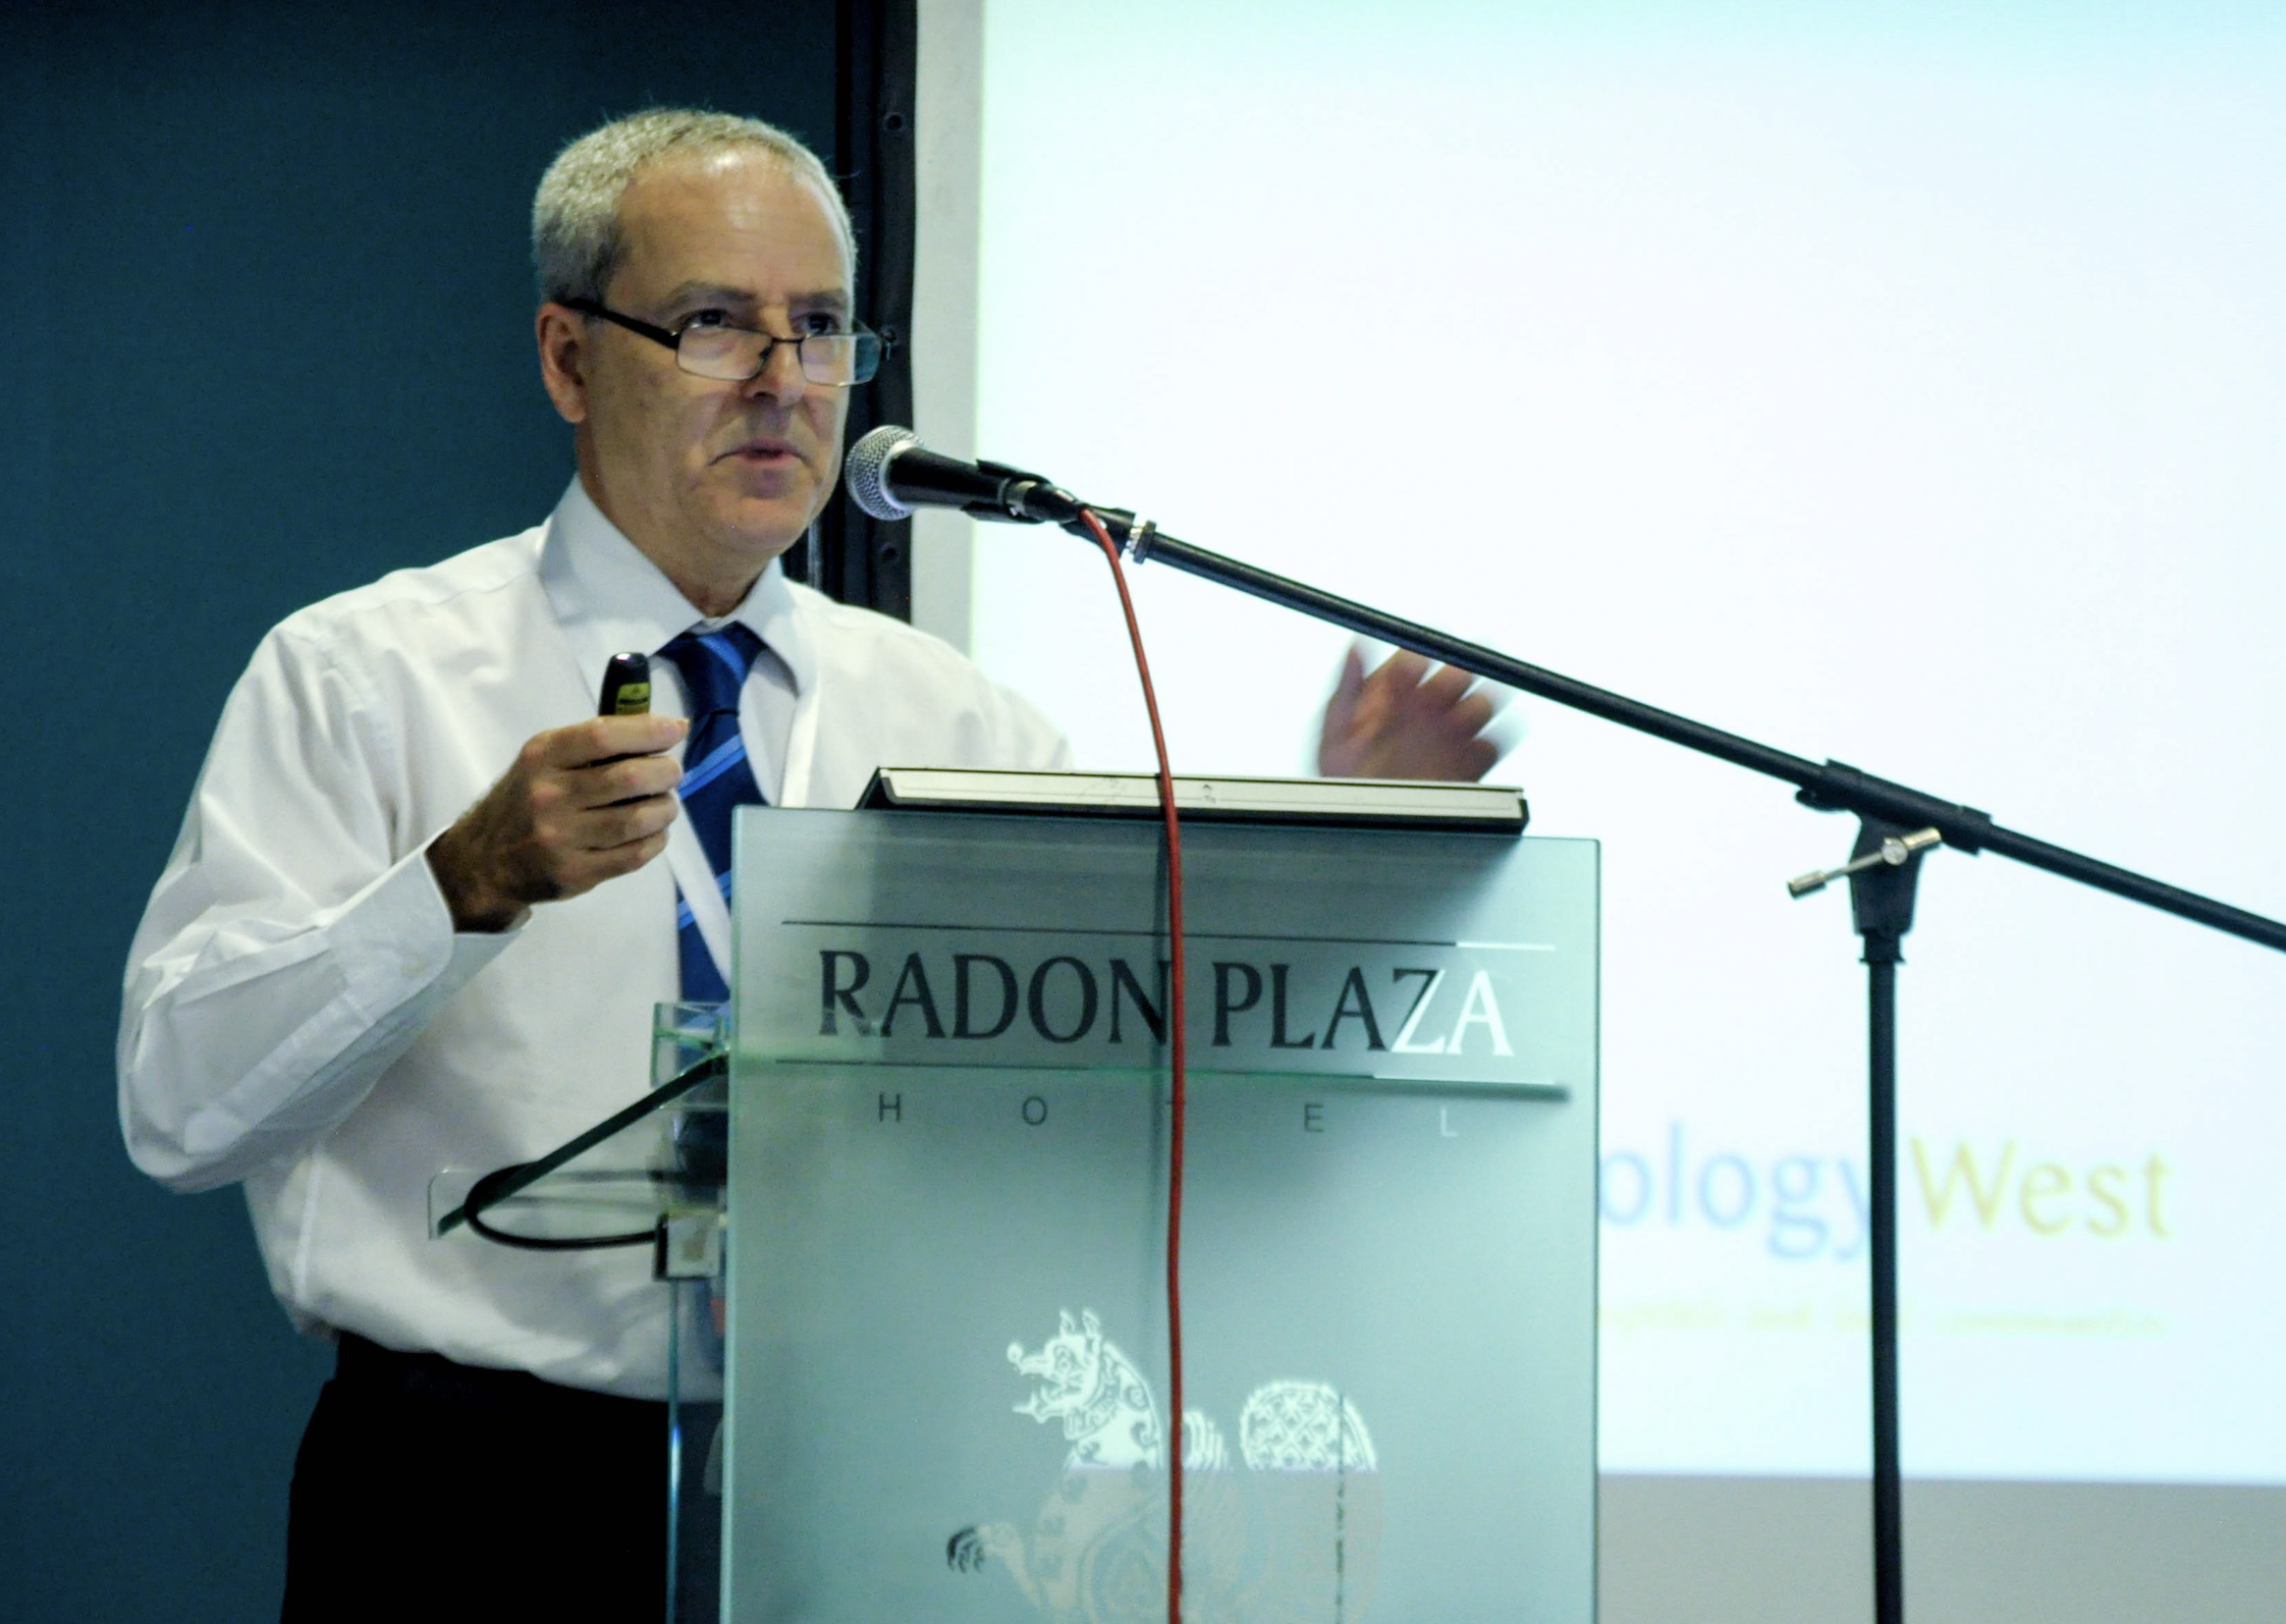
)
(562, 339)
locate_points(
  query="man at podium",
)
(417, 917)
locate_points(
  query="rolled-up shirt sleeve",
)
(297, 943)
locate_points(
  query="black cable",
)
(488, 1191)
(498, 1185)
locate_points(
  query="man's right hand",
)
(581, 806)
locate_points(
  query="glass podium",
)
(909, 1209)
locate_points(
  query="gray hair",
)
(575, 230)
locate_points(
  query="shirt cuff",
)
(418, 918)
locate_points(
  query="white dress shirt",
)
(298, 1012)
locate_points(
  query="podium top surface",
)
(1341, 803)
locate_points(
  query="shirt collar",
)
(611, 599)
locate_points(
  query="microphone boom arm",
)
(1827, 787)
(890, 473)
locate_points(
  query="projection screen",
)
(1904, 387)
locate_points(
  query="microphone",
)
(890, 473)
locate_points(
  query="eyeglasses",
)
(735, 355)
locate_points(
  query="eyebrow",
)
(830, 299)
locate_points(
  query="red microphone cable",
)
(1172, 1438)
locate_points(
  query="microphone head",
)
(865, 471)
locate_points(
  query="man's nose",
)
(780, 379)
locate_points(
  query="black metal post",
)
(1881, 905)
(1882, 1144)
(859, 560)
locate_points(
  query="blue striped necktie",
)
(716, 778)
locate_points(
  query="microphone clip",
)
(1023, 498)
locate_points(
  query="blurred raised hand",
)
(1406, 720)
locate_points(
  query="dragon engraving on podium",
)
(1291, 1537)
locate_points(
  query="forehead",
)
(737, 220)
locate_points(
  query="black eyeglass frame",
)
(671, 339)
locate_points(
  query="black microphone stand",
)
(1896, 827)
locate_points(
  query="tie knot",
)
(713, 666)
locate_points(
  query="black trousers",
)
(430, 1490)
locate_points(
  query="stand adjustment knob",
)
(1895, 850)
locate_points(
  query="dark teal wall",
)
(264, 334)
